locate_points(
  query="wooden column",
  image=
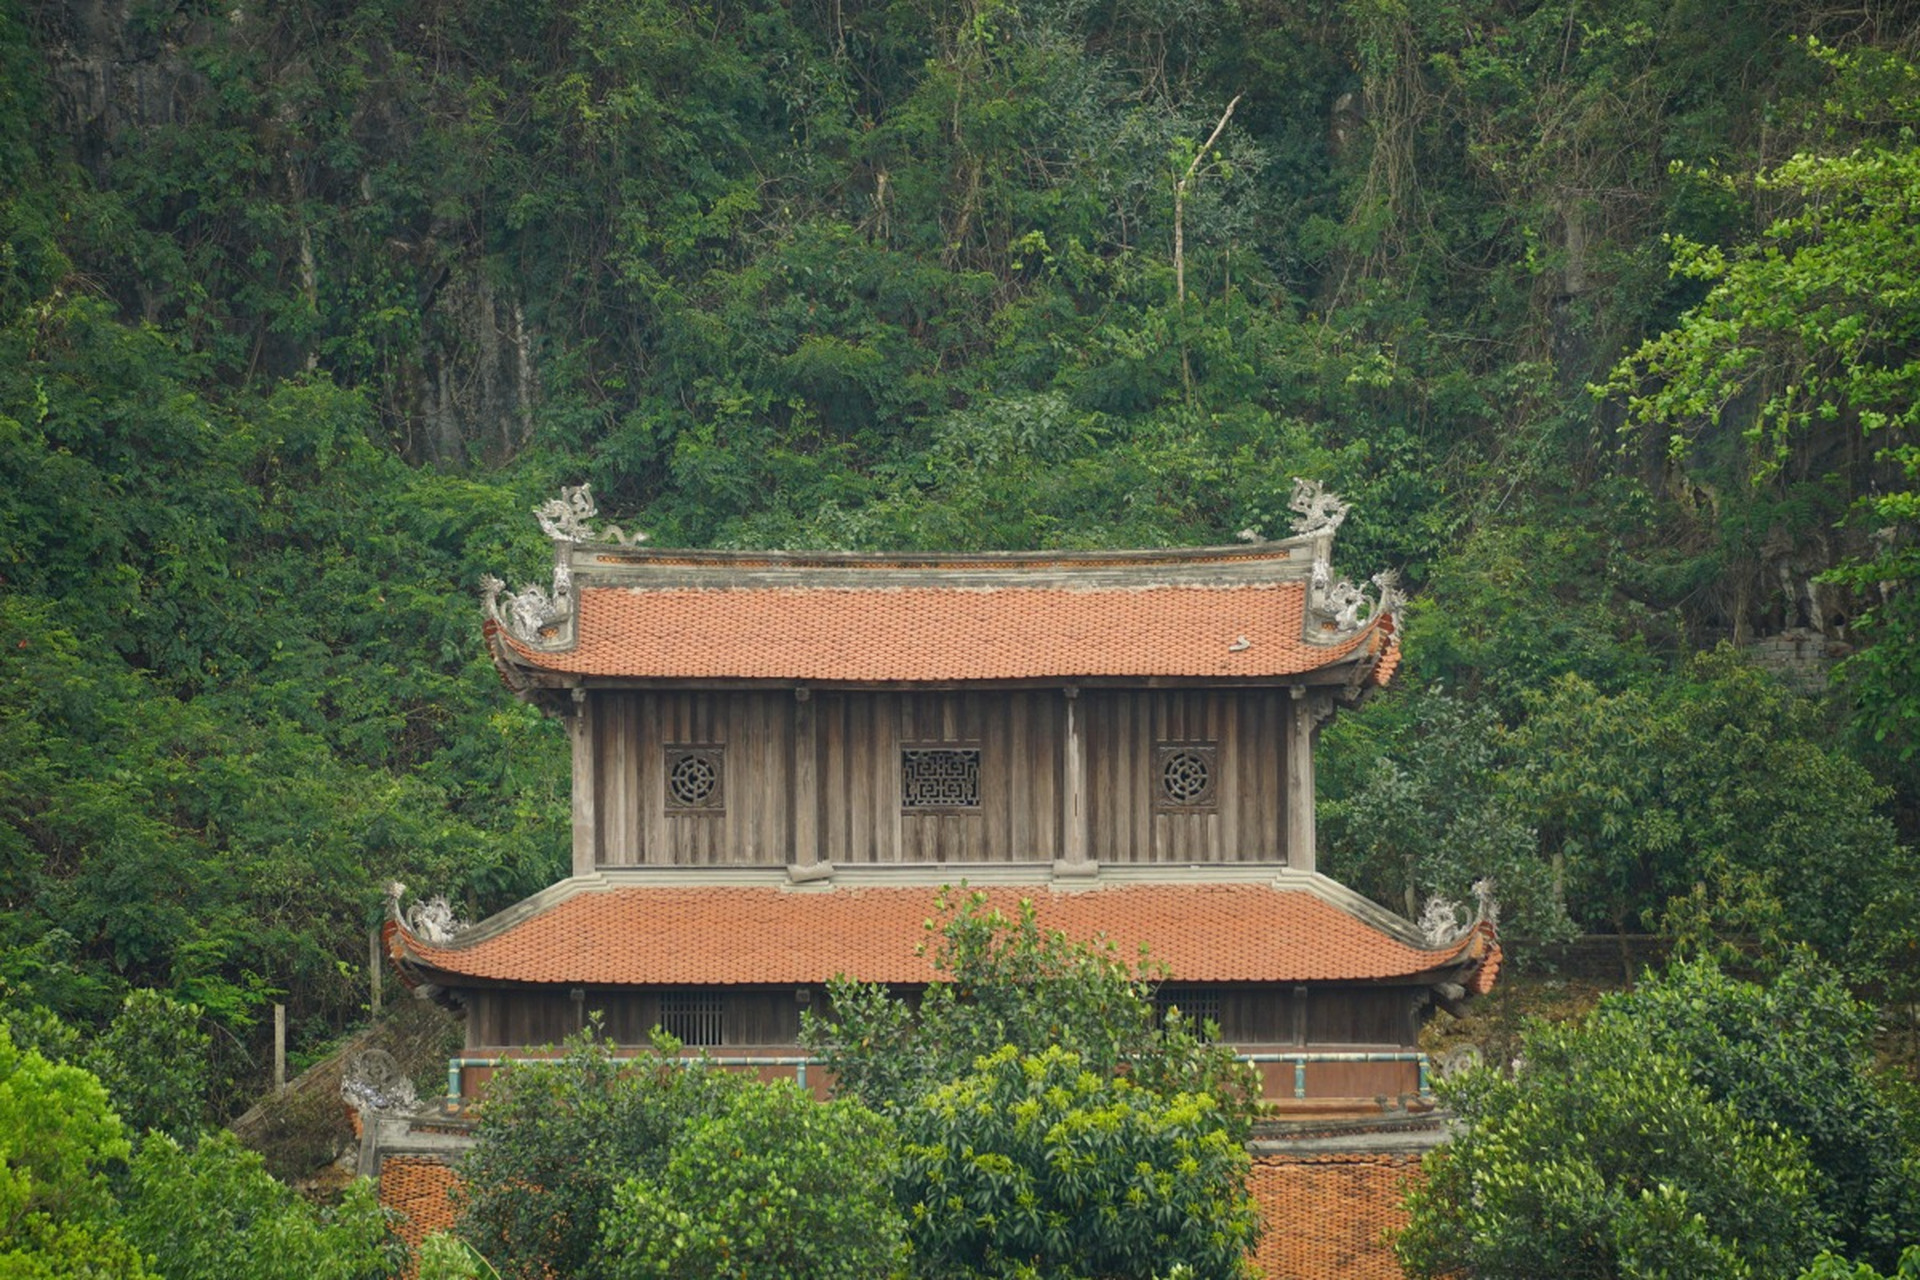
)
(1073, 791)
(375, 963)
(279, 1048)
(806, 782)
(586, 825)
(1300, 717)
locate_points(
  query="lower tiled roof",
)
(1327, 1217)
(681, 935)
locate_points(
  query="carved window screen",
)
(1186, 776)
(939, 778)
(692, 1017)
(696, 779)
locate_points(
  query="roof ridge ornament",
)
(1348, 605)
(375, 1082)
(1320, 510)
(528, 614)
(1340, 601)
(567, 519)
(431, 919)
(538, 616)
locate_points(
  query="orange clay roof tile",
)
(911, 626)
(1250, 631)
(421, 1192)
(717, 935)
(1328, 1217)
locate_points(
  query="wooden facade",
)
(1317, 1017)
(818, 777)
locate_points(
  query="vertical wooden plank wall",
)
(633, 732)
(1247, 821)
(851, 810)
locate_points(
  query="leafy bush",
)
(1796, 1053)
(1037, 1166)
(1009, 982)
(557, 1137)
(214, 1211)
(1601, 1156)
(775, 1184)
(1696, 1126)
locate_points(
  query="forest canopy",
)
(1600, 314)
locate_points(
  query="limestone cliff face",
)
(115, 67)
(118, 72)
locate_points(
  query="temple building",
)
(780, 757)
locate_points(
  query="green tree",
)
(1697, 1125)
(1601, 1156)
(1038, 1166)
(1796, 1053)
(558, 1137)
(1829, 1267)
(1006, 981)
(58, 1140)
(214, 1211)
(153, 1060)
(1813, 330)
(774, 1184)
(1643, 793)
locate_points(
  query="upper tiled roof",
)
(1206, 613)
(683, 935)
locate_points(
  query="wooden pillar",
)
(586, 825)
(1073, 791)
(806, 783)
(1300, 717)
(375, 963)
(279, 1048)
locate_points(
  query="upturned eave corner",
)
(1337, 608)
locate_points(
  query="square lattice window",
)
(696, 779)
(1186, 776)
(939, 778)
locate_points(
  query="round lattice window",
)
(694, 780)
(1186, 777)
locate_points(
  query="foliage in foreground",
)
(205, 1214)
(1699, 1126)
(1829, 1267)
(1006, 981)
(1796, 1053)
(774, 1184)
(1034, 1167)
(593, 1165)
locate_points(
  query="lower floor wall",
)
(1326, 1216)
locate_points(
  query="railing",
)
(456, 1067)
(1301, 1060)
